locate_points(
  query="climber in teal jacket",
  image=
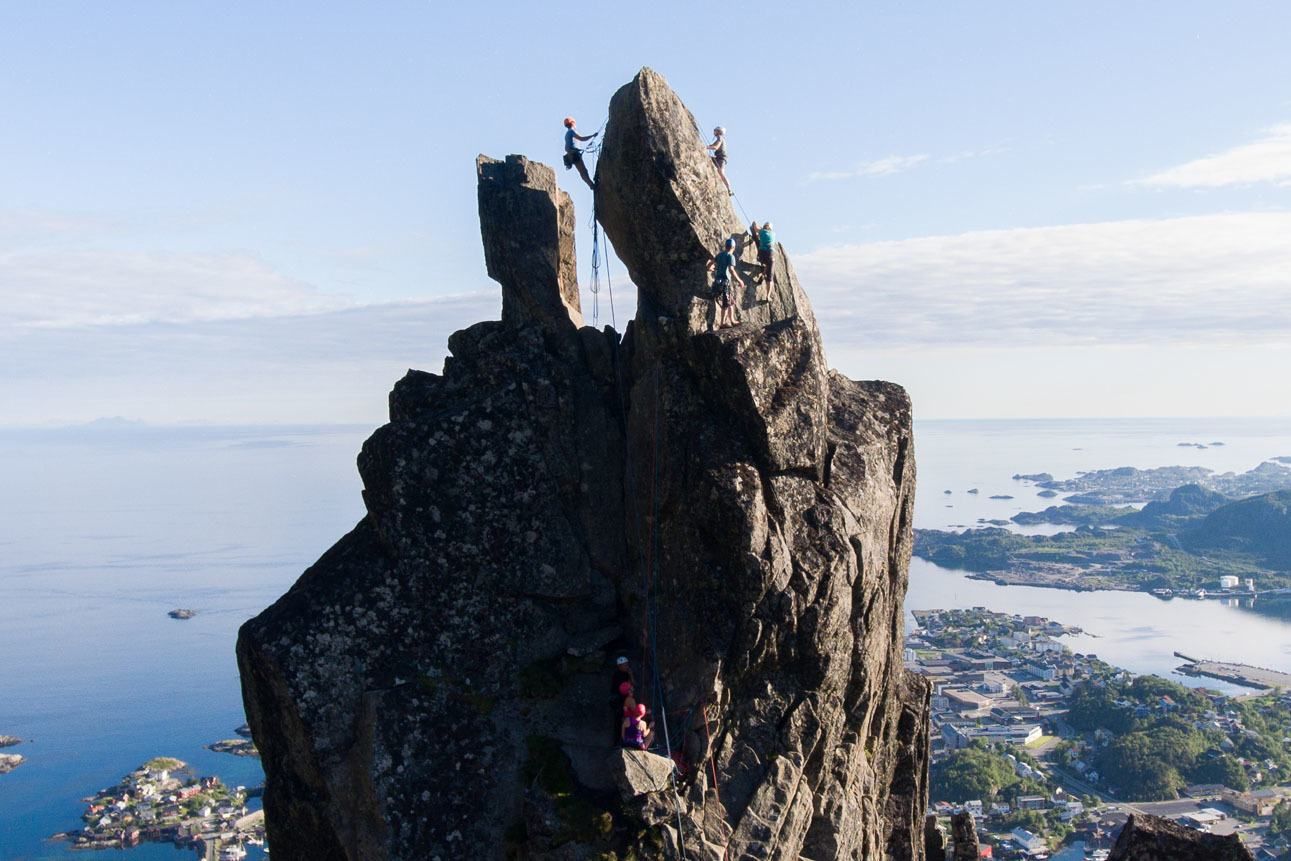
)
(766, 254)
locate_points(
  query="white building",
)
(1029, 842)
(1228, 581)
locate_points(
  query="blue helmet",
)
(730, 243)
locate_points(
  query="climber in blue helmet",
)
(724, 272)
(574, 155)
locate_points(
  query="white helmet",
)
(720, 130)
(767, 226)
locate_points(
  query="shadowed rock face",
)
(934, 840)
(1150, 838)
(527, 224)
(720, 506)
(964, 845)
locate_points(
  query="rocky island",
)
(10, 761)
(163, 801)
(718, 506)
(1125, 485)
(1190, 540)
(235, 746)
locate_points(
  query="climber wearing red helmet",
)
(619, 680)
(636, 732)
(574, 155)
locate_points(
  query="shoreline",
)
(1003, 578)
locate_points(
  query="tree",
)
(1220, 768)
(1281, 822)
(975, 772)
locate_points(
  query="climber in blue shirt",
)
(724, 272)
(574, 155)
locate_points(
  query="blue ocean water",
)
(105, 529)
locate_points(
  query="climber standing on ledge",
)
(718, 146)
(766, 254)
(723, 268)
(621, 687)
(574, 155)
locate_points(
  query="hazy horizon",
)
(267, 214)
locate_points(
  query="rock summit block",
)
(718, 506)
(527, 224)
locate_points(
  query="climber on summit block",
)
(723, 268)
(718, 146)
(574, 155)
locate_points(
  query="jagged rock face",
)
(1150, 838)
(963, 837)
(527, 224)
(721, 506)
(934, 839)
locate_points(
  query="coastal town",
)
(163, 801)
(1051, 750)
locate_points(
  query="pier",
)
(1239, 674)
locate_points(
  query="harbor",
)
(1245, 675)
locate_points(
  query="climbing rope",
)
(652, 626)
(596, 271)
(736, 198)
(600, 252)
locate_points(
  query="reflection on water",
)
(1133, 630)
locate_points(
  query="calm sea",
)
(106, 529)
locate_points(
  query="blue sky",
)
(266, 212)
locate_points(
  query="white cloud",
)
(964, 155)
(331, 366)
(900, 163)
(879, 167)
(81, 288)
(1208, 279)
(1267, 159)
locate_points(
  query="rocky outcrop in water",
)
(719, 506)
(1150, 838)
